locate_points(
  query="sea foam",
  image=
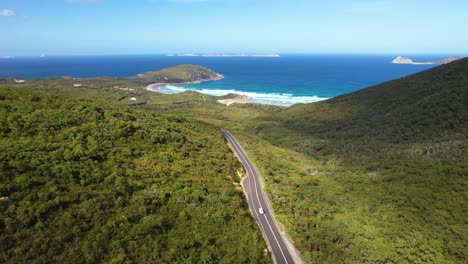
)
(261, 98)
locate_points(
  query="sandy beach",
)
(240, 99)
(154, 87)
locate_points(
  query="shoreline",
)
(154, 86)
(240, 97)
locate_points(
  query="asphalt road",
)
(257, 200)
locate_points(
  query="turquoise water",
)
(286, 80)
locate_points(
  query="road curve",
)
(257, 200)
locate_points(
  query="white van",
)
(260, 210)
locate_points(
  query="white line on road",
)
(252, 172)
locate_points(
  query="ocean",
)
(284, 80)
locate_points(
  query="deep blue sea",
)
(285, 80)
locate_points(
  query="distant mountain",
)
(271, 55)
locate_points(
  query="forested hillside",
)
(376, 176)
(178, 74)
(427, 106)
(82, 181)
(385, 176)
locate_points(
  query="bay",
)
(285, 80)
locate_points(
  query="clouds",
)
(7, 13)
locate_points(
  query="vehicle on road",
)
(252, 187)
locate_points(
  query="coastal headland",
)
(188, 74)
(180, 74)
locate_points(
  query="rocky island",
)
(403, 60)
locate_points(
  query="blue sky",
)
(88, 27)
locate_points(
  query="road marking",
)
(250, 171)
(268, 222)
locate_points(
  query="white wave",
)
(175, 88)
(261, 98)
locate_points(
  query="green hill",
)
(427, 106)
(179, 74)
(384, 180)
(85, 181)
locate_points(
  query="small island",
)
(403, 60)
(264, 55)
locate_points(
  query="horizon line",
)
(200, 54)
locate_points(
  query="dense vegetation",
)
(83, 181)
(374, 176)
(387, 178)
(377, 176)
(178, 74)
